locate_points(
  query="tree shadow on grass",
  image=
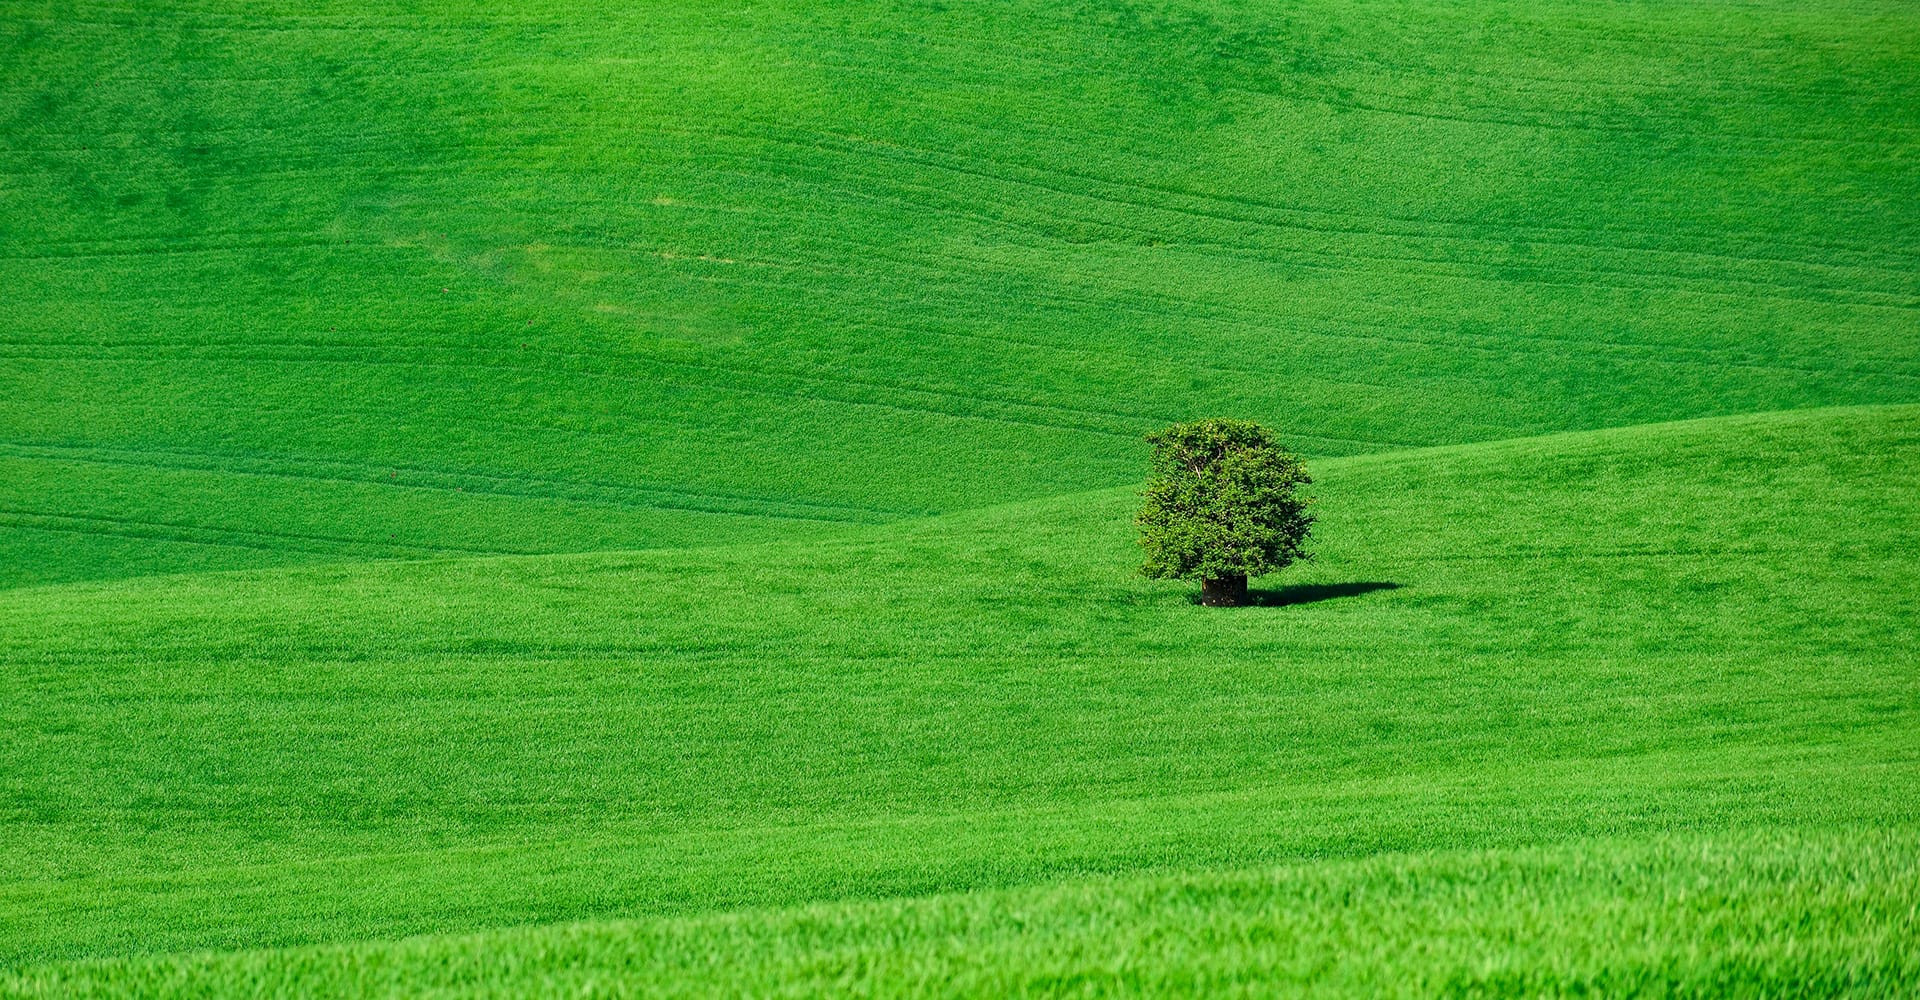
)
(1309, 593)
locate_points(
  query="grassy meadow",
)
(517, 499)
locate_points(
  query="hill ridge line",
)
(860, 533)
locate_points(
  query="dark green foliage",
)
(1223, 500)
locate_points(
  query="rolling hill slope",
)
(522, 498)
(330, 281)
(1724, 915)
(1700, 630)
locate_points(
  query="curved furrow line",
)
(1421, 227)
(900, 407)
(1184, 310)
(188, 532)
(1562, 125)
(584, 492)
(1462, 268)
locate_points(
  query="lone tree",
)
(1222, 503)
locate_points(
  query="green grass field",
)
(514, 500)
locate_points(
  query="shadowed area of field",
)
(1308, 593)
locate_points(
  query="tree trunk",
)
(1226, 592)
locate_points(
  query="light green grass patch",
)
(1777, 914)
(1597, 635)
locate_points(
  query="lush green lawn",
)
(1777, 914)
(674, 273)
(517, 498)
(1703, 627)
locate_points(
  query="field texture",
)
(511, 499)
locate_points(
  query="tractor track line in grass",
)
(108, 245)
(1139, 423)
(1414, 227)
(1485, 235)
(1491, 343)
(1497, 242)
(698, 386)
(351, 353)
(930, 158)
(235, 248)
(722, 387)
(1107, 297)
(371, 543)
(1562, 124)
(173, 531)
(436, 355)
(938, 267)
(481, 483)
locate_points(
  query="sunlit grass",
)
(1593, 636)
(523, 499)
(289, 283)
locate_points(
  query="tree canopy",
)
(1223, 502)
